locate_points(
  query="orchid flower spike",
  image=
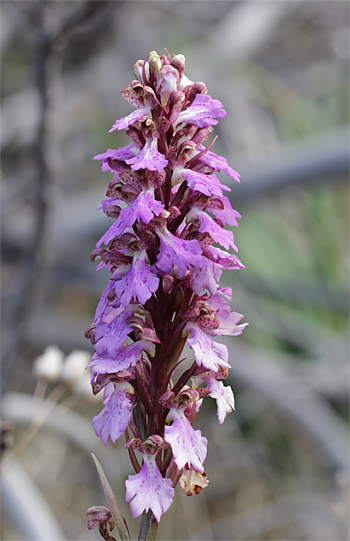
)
(165, 250)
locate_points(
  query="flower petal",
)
(209, 225)
(132, 118)
(149, 158)
(207, 353)
(138, 283)
(202, 112)
(111, 336)
(143, 208)
(188, 445)
(200, 182)
(218, 163)
(115, 416)
(126, 356)
(175, 251)
(149, 490)
(223, 395)
(121, 154)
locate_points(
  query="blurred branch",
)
(33, 272)
(293, 400)
(321, 158)
(21, 409)
(316, 292)
(80, 17)
(310, 516)
(26, 506)
(77, 429)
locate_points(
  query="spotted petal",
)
(143, 208)
(115, 416)
(175, 251)
(207, 353)
(148, 490)
(209, 225)
(127, 121)
(138, 283)
(149, 158)
(218, 163)
(188, 445)
(202, 112)
(111, 336)
(121, 154)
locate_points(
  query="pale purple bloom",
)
(112, 335)
(227, 215)
(228, 324)
(168, 208)
(149, 490)
(127, 121)
(126, 357)
(225, 292)
(206, 276)
(103, 301)
(175, 251)
(226, 260)
(218, 163)
(149, 158)
(188, 445)
(228, 320)
(144, 208)
(138, 283)
(121, 154)
(207, 353)
(202, 112)
(107, 203)
(208, 225)
(115, 416)
(118, 225)
(223, 395)
(206, 184)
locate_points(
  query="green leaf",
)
(114, 507)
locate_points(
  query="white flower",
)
(74, 366)
(49, 365)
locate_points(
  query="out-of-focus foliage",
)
(278, 467)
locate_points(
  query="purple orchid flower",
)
(169, 210)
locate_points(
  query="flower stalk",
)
(162, 251)
(148, 527)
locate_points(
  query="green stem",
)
(149, 527)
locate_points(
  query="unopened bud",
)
(138, 71)
(167, 81)
(168, 282)
(155, 64)
(192, 91)
(99, 515)
(90, 333)
(178, 62)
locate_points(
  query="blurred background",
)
(278, 467)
